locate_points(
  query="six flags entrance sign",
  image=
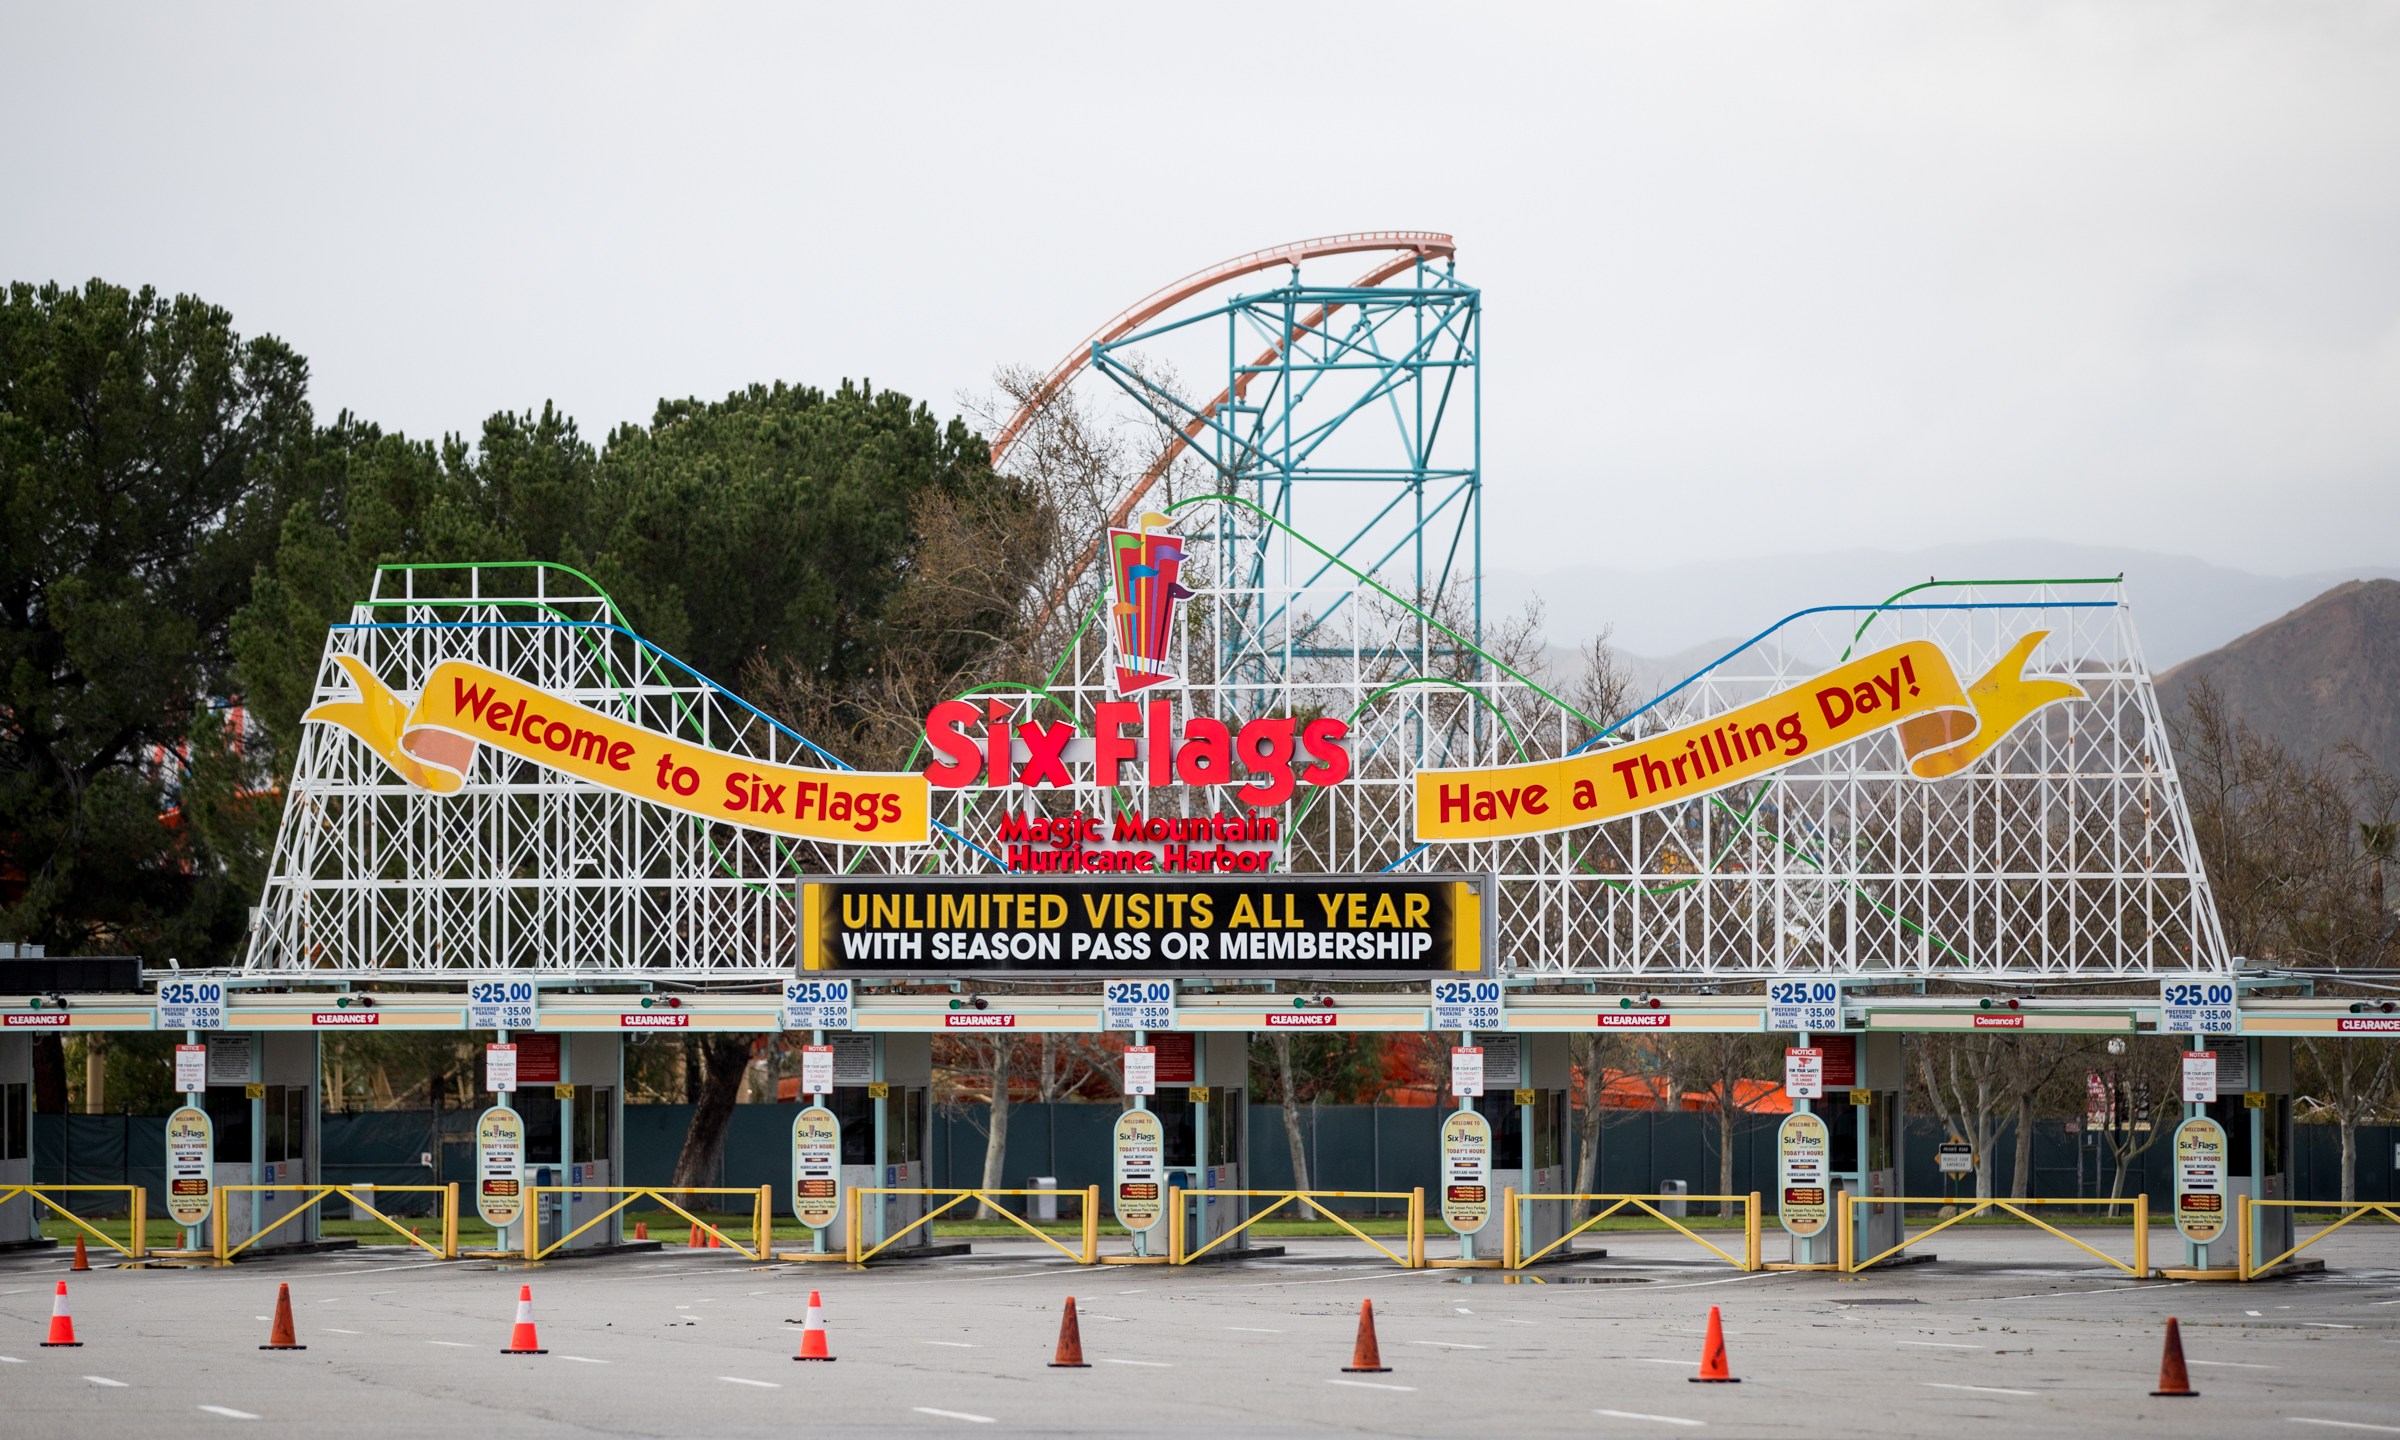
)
(1944, 727)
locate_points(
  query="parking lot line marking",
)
(2344, 1424)
(111, 1384)
(2261, 1314)
(955, 1415)
(337, 1330)
(761, 1384)
(1654, 1360)
(952, 1344)
(453, 1344)
(1153, 1364)
(1254, 1329)
(1938, 1344)
(1638, 1415)
(2324, 1325)
(10, 1360)
(583, 1360)
(1369, 1385)
(1450, 1344)
(1978, 1389)
(228, 1412)
(2229, 1364)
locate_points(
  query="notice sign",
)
(1466, 1171)
(2200, 1180)
(1141, 1069)
(232, 1060)
(191, 1147)
(1804, 1072)
(816, 1069)
(499, 1167)
(816, 1167)
(500, 1068)
(2200, 1076)
(1466, 1070)
(191, 1068)
(1804, 1189)
(1141, 1170)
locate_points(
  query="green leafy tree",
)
(146, 456)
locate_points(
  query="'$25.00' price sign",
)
(816, 1005)
(1466, 1005)
(1811, 1005)
(1138, 1005)
(500, 1005)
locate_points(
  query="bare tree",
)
(1715, 1067)
(1974, 1082)
(2351, 1081)
(1281, 1043)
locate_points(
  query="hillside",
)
(2325, 674)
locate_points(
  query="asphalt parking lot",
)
(2009, 1334)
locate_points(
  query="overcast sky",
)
(1757, 279)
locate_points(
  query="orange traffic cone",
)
(62, 1325)
(2173, 1379)
(280, 1336)
(812, 1331)
(1713, 1369)
(715, 1241)
(641, 1229)
(523, 1340)
(1365, 1358)
(1070, 1341)
(82, 1261)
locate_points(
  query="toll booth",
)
(1203, 1109)
(19, 1225)
(1865, 1079)
(883, 1096)
(1525, 1080)
(570, 1095)
(262, 1102)
(2254, 1104)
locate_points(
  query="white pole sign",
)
(499, 1167)
(191, 1005)
(2200, 1075)
(191, 1146)
(1138, 1005)
(1466, 1070)
(1141, 1069)
(500, 1068)
(2197, 1007)
(1466, 1171)
(500, 1005)
(816, 1069)
(1804, 1072)
(1797, 1005)
(191, 1068)
(1466, 1005)
(816, 1005)
(816, 1167)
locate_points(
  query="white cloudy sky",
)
(1758, 278)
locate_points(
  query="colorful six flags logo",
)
(1143, 566)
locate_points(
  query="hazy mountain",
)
(2181, 606)
(2325, 675)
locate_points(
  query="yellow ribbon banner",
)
(1944, 728)
(464, 705)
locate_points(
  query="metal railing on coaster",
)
(1512, 1230)
(1849, 1263)
(762, 1221)
(361, 1197)
(1412, 1259)
(860, 1254)
(2246, 1260)
(138, 1207)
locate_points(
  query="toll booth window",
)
(228, 1108)
(541, 1131)
(904, 1126)
(287, 1123)
(595, 1106)
(1508, 1126)
(1175, 1127)
(851, 1106)
(1224, 1134)
(16, 1120)
(1546, 1128)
